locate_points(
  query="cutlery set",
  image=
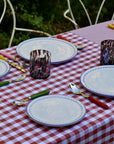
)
(74, 90)
(21, 65)
(13, 64)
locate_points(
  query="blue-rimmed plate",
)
(4, 68)
(56, 110)
(61, 50)
(99, 80)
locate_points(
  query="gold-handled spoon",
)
(42, 93)
(21, 77)
(76, 90)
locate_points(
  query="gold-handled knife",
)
(12, 64)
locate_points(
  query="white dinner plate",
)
(56, 110)
(4, 68)
(61, 50)
(99, 80)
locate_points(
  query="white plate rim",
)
(82, 115)
(48, 38)
(83, 75)
(6, 66)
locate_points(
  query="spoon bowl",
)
(76, 90)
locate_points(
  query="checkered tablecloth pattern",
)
(97, 127)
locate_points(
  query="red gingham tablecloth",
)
(97, 127)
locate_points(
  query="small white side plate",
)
(61, 50)
(99, 80)
(56, 110)
(4, 68)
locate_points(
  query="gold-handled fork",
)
(23, 65)
(13, 64)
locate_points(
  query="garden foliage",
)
(48, 16)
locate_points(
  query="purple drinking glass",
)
(107, 52)
(40, 63)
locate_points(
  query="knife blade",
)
(12, 64)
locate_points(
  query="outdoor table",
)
(96, 33)
(97, 127)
